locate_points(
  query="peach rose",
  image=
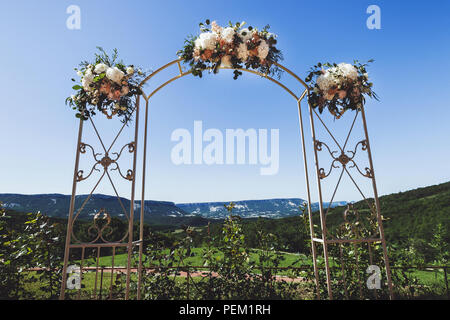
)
(206, 54)
(105, 87)
(342, 94)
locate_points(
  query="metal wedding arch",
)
(107, 161)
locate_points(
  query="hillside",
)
(411, 215)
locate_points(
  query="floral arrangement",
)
(340, 87)
(106, 85)
(231, 47)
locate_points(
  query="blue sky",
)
(408, 128)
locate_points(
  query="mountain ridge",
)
(57, 205)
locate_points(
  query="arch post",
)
(79, 247)
(345, 161)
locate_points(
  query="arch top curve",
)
(185, 73)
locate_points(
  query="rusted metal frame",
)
(96, 273)
(71, 209)
(112, 272)
(350, 131)
(328, 130)
(85, 201)
(331, 241)
(357, 187)
(311, 224)
(182, 74)
(141, 222)
(83, 246)
(118, 197)
(446, 282)
(377, 205)
(321, 211)
(98, 135)
(95, 245)
(117, 135)
(334, 194)
(101, 283)
(131, 220)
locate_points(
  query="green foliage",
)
(38, 244)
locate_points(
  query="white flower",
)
(226, 61)
(263, 49)
(242, 52)
(347, 71)
(326, 81)
(206, 40)
(228, 34)
(79, 73)
(114, 74)
(215, 27)
(130, 70)
(101, 67)
(87, 80)
(246, 34)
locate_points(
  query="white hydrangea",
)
(347, 71)
(326, 81)
(227, 34)
(263, 49)
(206, 40)
(242, 52)
(334, 76)
(87, 80)
(101, 67)
(246, 34)
(114, 74)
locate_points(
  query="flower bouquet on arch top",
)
(231, 47)
(106, 85)
(340, 87)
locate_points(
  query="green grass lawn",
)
(196, 259)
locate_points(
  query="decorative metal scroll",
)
(106, 163)
(357, 227)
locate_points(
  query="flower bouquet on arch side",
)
(339, 88)
(106, 85)
(232, 47)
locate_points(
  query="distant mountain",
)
(57, 205)
(270, 208)
(157, 212)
